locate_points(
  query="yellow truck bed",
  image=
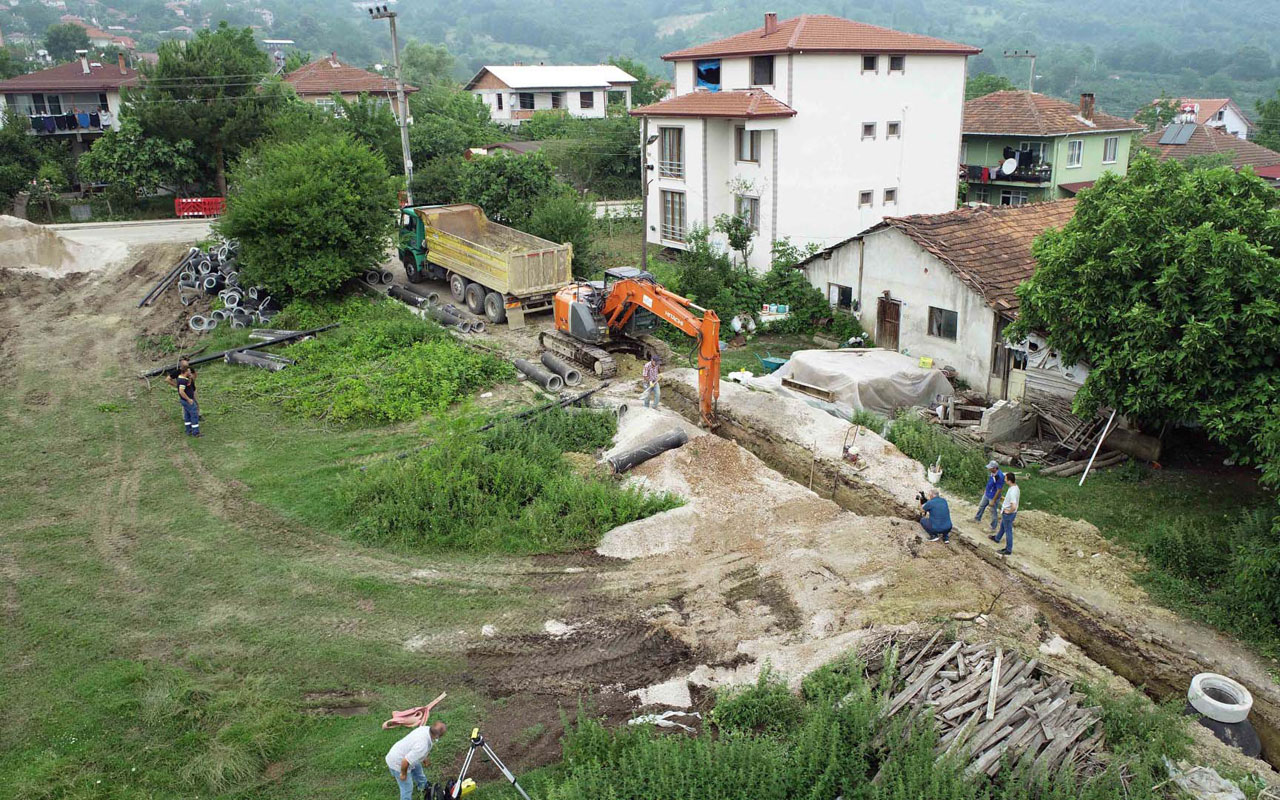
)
(461, 239)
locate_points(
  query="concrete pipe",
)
(233, 280)
(387, 277)
(209, 283)
(654, 447)
(233, 298)
(196, 323)
(187, 276)
(434, 298)
(477, 327)
(191, 284)
(547, 380)
(446, 318)
(239, 321)
(219, 314)
(372, 276)
(407, 297)
(253, 293)
(571, 375)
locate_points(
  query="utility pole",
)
(1031, 79)
(382, 12)
(644, 194)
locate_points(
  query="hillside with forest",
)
(1211, 48)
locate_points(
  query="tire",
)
(495, 308)
(1235, 710)
(458, 287)
(411, 272)
(475, 298)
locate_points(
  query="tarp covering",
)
(876, 380)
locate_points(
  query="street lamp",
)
(644, 194)
(381, 11)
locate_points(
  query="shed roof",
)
(822, 33)
(556, 76)
(1030, 114)
(740, 104)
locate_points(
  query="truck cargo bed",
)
(461, 239)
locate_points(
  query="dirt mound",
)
(27, 247)
(626, 654)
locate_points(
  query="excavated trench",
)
(1142, 654)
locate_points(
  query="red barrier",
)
(199, 206)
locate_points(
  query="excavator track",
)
(596, 359)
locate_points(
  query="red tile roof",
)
(1074, 188)
(1206, 141)
(822, 33)
(1029, 114)
(1208, 107)
(987, 247)
(72, 77)
(740, 104)
(330, 76)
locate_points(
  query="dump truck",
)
(495, 270)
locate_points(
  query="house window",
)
(328, 104)
(673, 224)
(498, 97)
(870, 63)
(868, 130)
(892, 130)
(897, 63)
(964, 152)
(671, 153)
(1110, 149)
(557, 99)
(55, 103)
(840, 297)
(977, 194)
(1075, 153)
(943, 323)
(749, 209)
(1036, 149)
(706, 74)
(890, 196)
(1221, 115)
(37, 103)
(587, 99)
(1013, 197)
(102, 101)
(526, 101)
(747, 145)
(864, 197)
(762, 71)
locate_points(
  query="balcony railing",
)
(53, 124)
(1035, 174)
(673, 231)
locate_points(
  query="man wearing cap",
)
(991, 496)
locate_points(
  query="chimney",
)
(1086, 105)
(333, 59)
(770, 22)
(120, 61)
(84, 60)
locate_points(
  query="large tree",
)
(649, 87)
(1268, 120)
(424, 64)
(63, 40)
(309, 213)
(133, 164)
(1166, 283)
(1157, 115)
(214, 91)
(984, 84)
(19, 159)
(11, 64)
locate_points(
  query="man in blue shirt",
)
(991, 496)
(937, 517)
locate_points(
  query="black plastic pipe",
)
(223, 353)
(654, 447)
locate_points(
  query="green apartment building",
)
(1021, 147)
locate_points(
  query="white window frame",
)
(748, 207)
(1075, 147)
(875, 63)
(669, 230)
(890, 196)
(866, 198)
(751, 139)
(1020, 195)
(669, 168)
(964, 152)
(901, 69)
(833, 297)
(893, 129)
(870, 125)
(1111, 146)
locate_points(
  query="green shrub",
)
(1192, 552)
(767, 706)
(508, 489)
(963, 468)
(382, 365)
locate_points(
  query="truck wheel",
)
(495, 308)
(411, 272)
(475, 298)
(458, 287)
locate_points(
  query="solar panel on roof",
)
(1167, 136)
(1184, 135)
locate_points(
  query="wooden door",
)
(888, 313)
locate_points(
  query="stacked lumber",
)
(991, 705)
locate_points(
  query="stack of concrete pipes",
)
(430, 307)
(214, 273)
(379, 277)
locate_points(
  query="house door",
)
(888, 313)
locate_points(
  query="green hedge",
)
(963, 468)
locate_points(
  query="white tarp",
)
(876, 380)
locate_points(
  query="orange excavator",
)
(595, 319)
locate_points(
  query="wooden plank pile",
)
(990, 704)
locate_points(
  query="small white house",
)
(1220, 113)
(941, 286)
(813, 128)
(514, 93)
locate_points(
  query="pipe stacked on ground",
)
(570, 374)
(547, 380)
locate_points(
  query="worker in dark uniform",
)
(186, 383)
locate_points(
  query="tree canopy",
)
(212, 91)
(19, 158)
(649, 87)
(310, 212)
(64, 39)
(1158, 114)
(984, 84)
(1165, 283)
(1268, 120)
(423, 64)
(133, 164)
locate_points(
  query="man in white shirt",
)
(1012, 496)
(406, 757)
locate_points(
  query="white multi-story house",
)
(815, 128)
(514, 93)
(1221, 112)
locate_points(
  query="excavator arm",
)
(626, 295)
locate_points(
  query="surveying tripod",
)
(478, 743)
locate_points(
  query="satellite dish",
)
(1009, 165)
